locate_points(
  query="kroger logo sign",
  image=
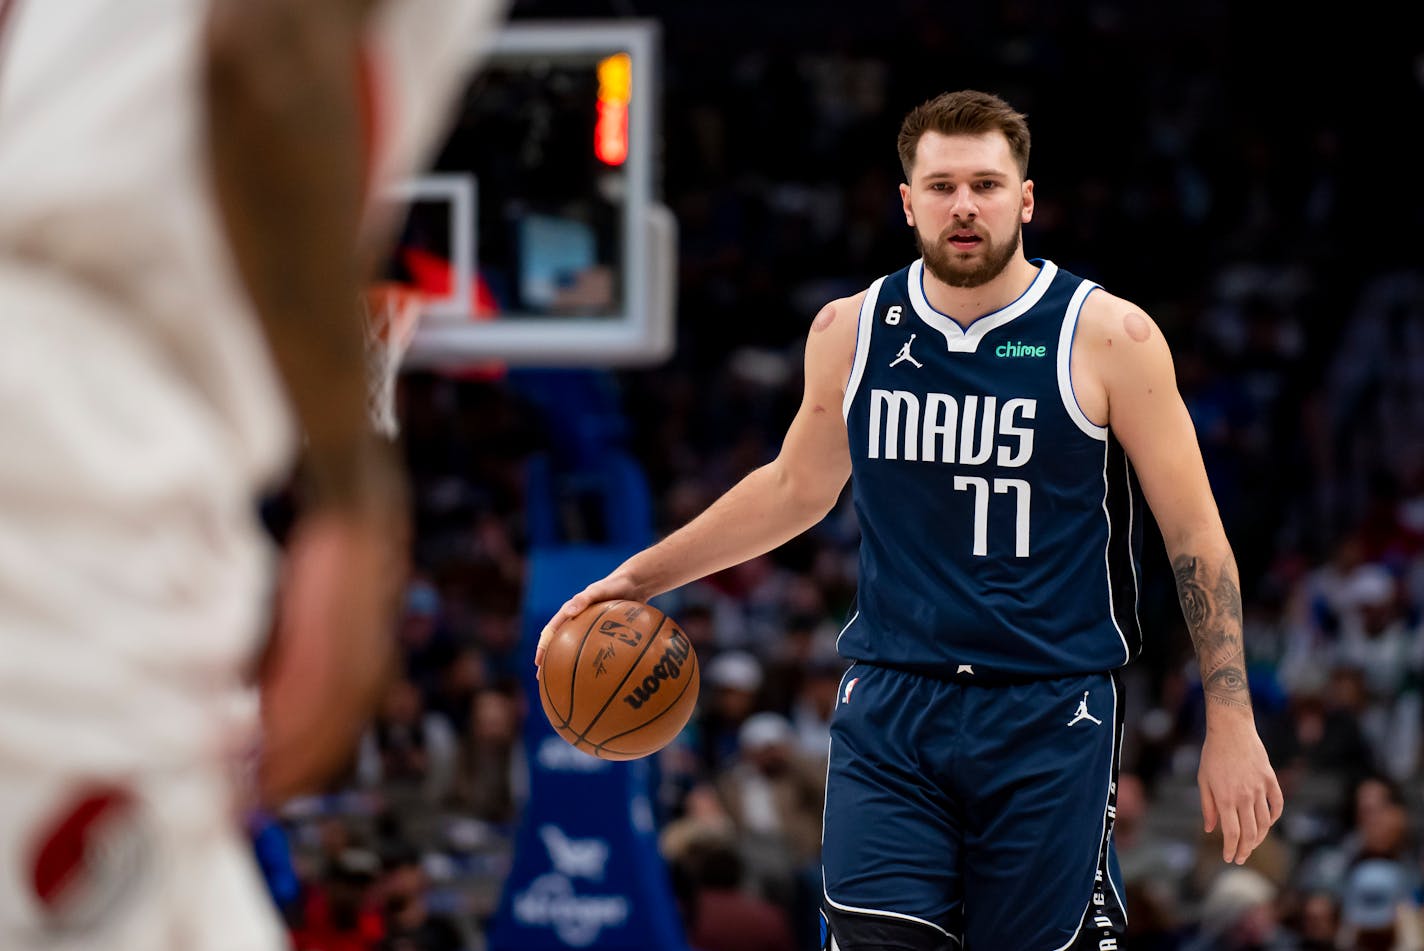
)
(576, 858)
(550, 902)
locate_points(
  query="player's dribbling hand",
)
(616, 585)
(1238, 787)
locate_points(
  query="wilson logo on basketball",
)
(617, 629)
(668, 668)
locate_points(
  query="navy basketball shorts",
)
(974, 815)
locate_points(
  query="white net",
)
(392, 315)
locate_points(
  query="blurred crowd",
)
(1252, 210)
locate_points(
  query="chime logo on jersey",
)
(1015, 349)
(937, 427)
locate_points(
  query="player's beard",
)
(940, 257)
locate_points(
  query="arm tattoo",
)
(1213, 614)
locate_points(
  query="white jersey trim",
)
(886, 914)
(1131, 527)
(1113, 762)
(862, 345)
(1107, 556)
(846, 628)
(959, 339)
(1065, 364)
(1117, 771)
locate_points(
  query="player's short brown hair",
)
(966, 112)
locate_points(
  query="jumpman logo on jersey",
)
(905, 354)
(1083, 713)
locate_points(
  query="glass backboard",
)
(537, 233)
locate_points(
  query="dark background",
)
(1244, 172)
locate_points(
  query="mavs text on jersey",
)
(1000, 527)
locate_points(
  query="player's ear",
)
(1027, 200)
(905, 201)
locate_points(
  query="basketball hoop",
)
(392, 314)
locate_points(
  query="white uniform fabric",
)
(141, 418)
(172, 874)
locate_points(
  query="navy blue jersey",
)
(1000, 528)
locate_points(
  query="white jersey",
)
(140, 411)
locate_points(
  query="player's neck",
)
(964, 305)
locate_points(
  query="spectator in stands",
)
(1160, 863)
(1239, 914)
(733, 681)
(339, 911)
(787, 659)
(411, 924)
(774, 797)
(1319, 922)
(695, 619)
(457, 683)
(1272, 861)
(490, 785)
(813, 705)
(1378, 829)
(1322, 742)
(1377, 911)
(1378, 640)
(727, 917)
(498, 635)
(424, 642)
(408, 750)
(1153, 922)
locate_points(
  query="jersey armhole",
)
(1065, 364)
(862, 345)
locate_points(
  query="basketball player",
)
(182, 188)
(998, 416)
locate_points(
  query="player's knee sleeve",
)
(844, 931)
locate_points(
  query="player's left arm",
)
(1129, 363)
(284, 148)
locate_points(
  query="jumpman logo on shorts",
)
(1083, 713)
(905, 354)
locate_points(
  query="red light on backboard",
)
(615, 89)
(611, 135)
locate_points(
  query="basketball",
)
(619, 681)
